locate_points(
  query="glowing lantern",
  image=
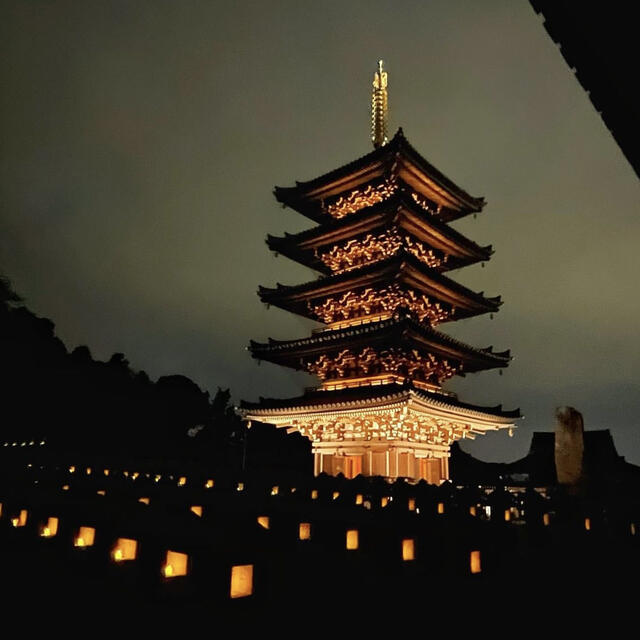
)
(88, 471)
(546, 519)
(0, 509)
(21, 520)
(124, 549)
(157, 478)
(106, 472)
(197, 510)
(304, 531)
(134, 475)
(359, 499)
(65, 487)
(175, 564)
(507, 515)
(144, 500)
(408, 549)
(240, 486)
(472, 510)
(384, 501)
(587, 524)
(208, 484)
(85, 538)
(263, 521)
(314, 494)
(274, 491)
(101, 492)
(241, 581)
(293, 489)
(440, 507)
(182, 481)
(126, 474)
(352, 539)
(50, 529)
(72, 469)
(475, 562)
(336, 494)
(412, 504)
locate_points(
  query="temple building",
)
(384, 248)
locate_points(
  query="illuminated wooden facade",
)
(383, 246)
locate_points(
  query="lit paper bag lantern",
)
(474, 562)
(352, 539)
(274, 490)
(85, 538)
(240, 486)
(359, 498)
(72, 469)
(408, 549)
(208, 484)
(587, 524)
(263, 521)
(472, 510)
(412, 504)
(546, 519)
(175, 564)
(182, 481)
(314, 494)
(106, 472)
(125, 549)
(304, 531)
(336, 495)
(440, 507)
(197, 510)
(21, 519)
(50, 528)
(384, 501)
(144, 500)
(241, 581)
(88, 471)
(507, 515)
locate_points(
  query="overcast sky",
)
(140, 143)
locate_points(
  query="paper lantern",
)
(241, 581)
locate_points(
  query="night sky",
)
(140, 143)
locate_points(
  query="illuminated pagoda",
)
(383, 247)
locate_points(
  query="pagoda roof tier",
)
(397, 161)
(402, 268)
(400, 331)
(375, 399)
(399, 210)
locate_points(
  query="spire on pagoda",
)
(379, 107)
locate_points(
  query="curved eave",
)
(398, 155)
(357, 399)
(402, 268)
(395, 332)
(399, 210)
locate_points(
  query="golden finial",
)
(379, 107)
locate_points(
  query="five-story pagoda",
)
(383, 246)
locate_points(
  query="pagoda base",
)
(391, 460)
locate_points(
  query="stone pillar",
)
(569, 448)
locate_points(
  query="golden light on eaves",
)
(357, 253)
(241, 581)
(369, 364)
(361, 198)
(352, 307)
